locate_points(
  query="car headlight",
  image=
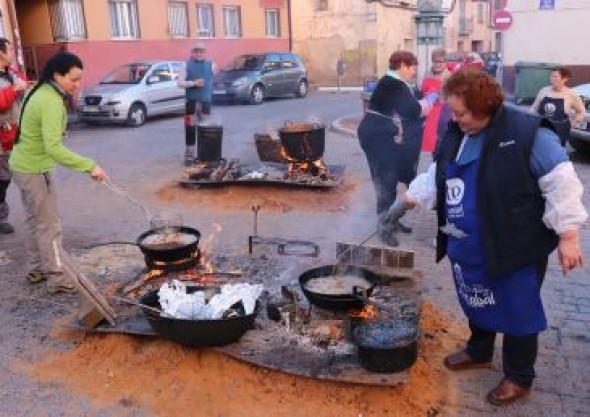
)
(240, 82)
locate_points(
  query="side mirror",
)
(153, 79)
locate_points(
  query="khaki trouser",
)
(43, 226)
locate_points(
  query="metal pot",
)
(169, 254)
(387, 346)
(303, 142)
(197, 332)
(339, 302)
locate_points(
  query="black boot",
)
(399, 227)
(389, 238)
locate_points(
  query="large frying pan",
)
(339, 302)
(169, 254)
(197, 332)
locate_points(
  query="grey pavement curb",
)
(338, 127)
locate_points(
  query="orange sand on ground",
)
(268, 197)
(171, 380)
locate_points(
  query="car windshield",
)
(126, 74)
(245, 63)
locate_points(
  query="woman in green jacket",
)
(39, 147)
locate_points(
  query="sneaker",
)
(36, 276)
(6, 228)
(62, 288)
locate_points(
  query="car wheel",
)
(137, 115)
(257, 94)
(301, 89)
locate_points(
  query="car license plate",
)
(90, 109)
(219, 92)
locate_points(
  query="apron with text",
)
(554, 109)
(508, 304)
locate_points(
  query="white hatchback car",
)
(133, 92)
(580, 135)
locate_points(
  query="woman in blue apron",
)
(558, 103)
(506, 197)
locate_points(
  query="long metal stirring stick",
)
(121, 193)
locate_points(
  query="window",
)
(205, 27)
(124, 22)
(321, 5)
(162, 72)
(177, 69)
(178, 19)
(480, 12)
(288, 61)
(232, 21)
(67, 19)
(273, 25)
(272, 62)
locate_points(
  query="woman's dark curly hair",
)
(402, 57)
(481, 94)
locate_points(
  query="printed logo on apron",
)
(475, 296)
(549, 109)
(455, 193)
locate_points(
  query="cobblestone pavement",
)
(562, 387)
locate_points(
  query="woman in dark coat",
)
(390, 135)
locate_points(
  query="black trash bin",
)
(209, 141)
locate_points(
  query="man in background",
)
(12, 86)
(198, 83)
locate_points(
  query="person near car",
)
(12, 86)
(38, 147)
(432, 83)
(506, 196)
(557, 102)
(390, 135)
(197, 80)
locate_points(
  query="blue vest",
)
(194, 71)
(509, 200)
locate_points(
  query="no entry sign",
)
(502, 20)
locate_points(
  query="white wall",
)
(553, 36)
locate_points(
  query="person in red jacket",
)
(12, 86)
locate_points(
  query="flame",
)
(153, 273)
(366, 313)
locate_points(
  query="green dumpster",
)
(530, 78)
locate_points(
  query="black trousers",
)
(193, 113)
(519, 353)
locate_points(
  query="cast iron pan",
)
(387, 346)
(197, 332)
(174, 254)
(339, 302)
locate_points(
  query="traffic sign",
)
(502, 20)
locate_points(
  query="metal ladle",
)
(123, 194)
(339, 267)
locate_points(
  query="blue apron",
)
(508, 304)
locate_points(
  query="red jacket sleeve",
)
(7, 97)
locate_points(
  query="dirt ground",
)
(171, 380)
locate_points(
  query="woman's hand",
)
(569, 251)
(98, 174)
(409, 202)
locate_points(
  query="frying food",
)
(336, 284)
(168, 240)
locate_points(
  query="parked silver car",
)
(133, 92)
(254, 77)
(580, 135)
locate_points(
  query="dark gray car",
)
(253, 77)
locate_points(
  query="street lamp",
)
(429, 29)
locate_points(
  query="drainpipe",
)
(16, 35)
(290, 25)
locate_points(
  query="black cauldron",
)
(303, 142)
